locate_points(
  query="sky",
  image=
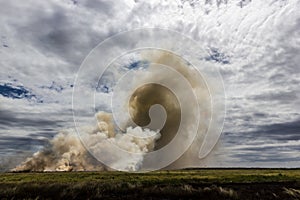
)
(254, 44)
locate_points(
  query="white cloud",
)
(45, 41)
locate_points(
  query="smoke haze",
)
(183, 95)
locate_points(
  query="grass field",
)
(179, 184)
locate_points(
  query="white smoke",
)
(191, 97)
(66, 152)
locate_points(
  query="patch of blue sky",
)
(217, 56)
(139, 64)
(54, 86)
(15, 92)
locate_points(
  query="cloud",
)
(268, 143)
(16, 144)
(283, 97)
(216, 56)
(255, 44)
(10, 119)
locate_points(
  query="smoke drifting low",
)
(66, 151)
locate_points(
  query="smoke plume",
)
(66, 151)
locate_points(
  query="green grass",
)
(208, 183)
(205, 176)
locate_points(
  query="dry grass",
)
(228, 192)
(292, 192)
(180, 184)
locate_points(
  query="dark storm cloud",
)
(269, 149)
(20, 143)
(280, 131)
(20, 148)
(267, 143)
(259, 114)
(48, 133)
(282, 97)
(10, 119)
(276, 132)
(60, 34)
(264, 152)
(270, 157)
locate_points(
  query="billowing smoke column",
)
(66, 153)
(154, 94)
(166, 115)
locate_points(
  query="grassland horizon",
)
(211, 183)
